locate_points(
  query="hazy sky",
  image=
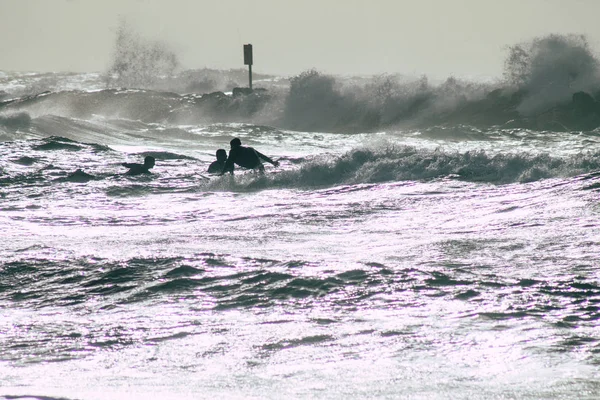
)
(434, 37)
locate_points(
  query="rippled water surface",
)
(391, 265)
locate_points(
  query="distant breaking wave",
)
(550, 84)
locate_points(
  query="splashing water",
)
(139, 62)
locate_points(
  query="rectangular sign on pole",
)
(247, 54)
(248, 62)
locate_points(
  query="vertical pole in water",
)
(250, 76)
(248, 62)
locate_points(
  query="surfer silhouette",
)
(245, 157)
(217, 166)
(136, 169)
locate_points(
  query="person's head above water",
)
(221, 155)
(235, 143)
(149, 162)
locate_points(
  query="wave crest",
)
(15, 121)
(548, 70)
(406, 163)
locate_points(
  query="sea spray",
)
(550, 69)
(137, 61)
(551, 84)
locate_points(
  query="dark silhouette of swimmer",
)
(245, 157)
(217, 166)
(136, 169)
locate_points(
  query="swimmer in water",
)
(245, 157)
(136, 169)
(217, 166)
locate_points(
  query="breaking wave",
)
(550, 83)
(407, 163)
(549, 70)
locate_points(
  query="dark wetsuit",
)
(136, 169)
(245, 157)
(216, 167)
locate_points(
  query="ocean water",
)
(439, 262)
